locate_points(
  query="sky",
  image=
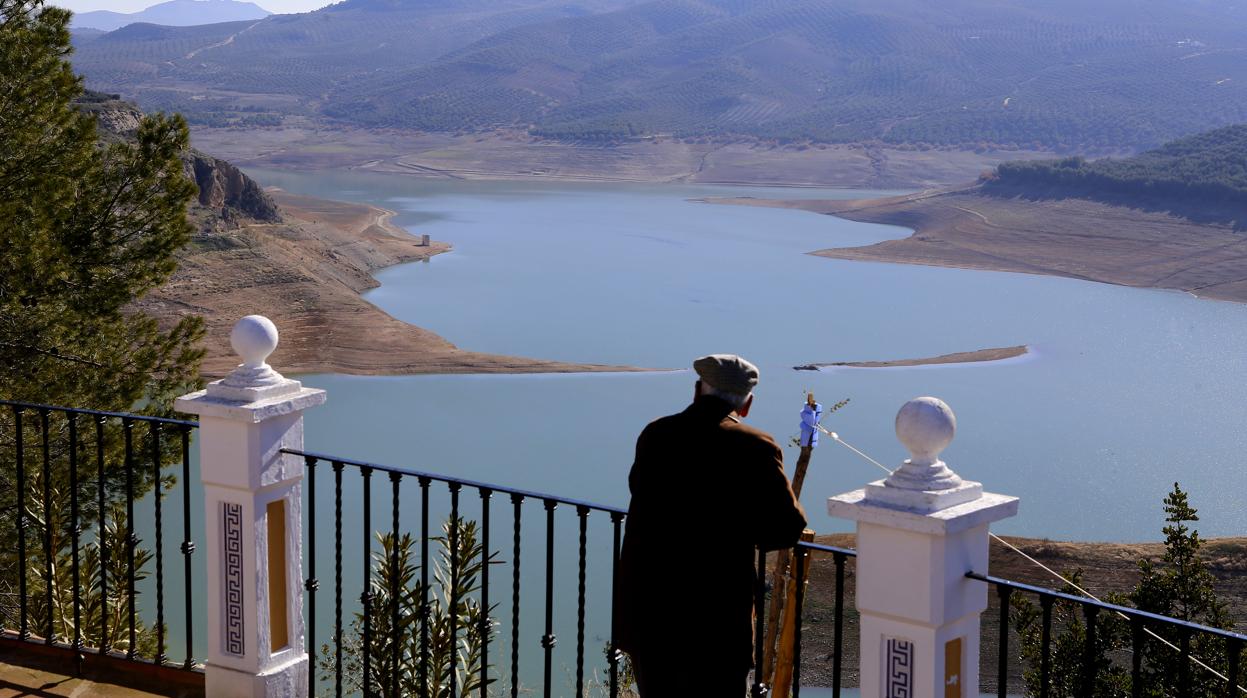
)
(278, 6)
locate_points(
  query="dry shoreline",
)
(516, 155)
(306, 274)
(1075, 238)
(961, 357)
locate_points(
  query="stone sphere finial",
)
(254, 338)
(925, 425)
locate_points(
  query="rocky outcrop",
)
(122, 122)
(228, 195)
(224, 188)
(117, 119)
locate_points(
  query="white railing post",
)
(253, 521)
(919, 532)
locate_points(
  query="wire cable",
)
(836, 437)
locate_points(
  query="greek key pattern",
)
(233, 580)
(898, 669)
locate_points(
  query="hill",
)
(288, 65)
(1058, 74)
(1203, 177)
(81, 34)
(176, 13)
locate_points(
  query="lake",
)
(1126, 390)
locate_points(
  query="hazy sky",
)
(279, 6)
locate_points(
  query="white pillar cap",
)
(253, 338)
(924, 483)
(926, 426)
(253, 391)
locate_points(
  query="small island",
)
(963, 357)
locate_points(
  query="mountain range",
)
(174, 13)
(1064, 75)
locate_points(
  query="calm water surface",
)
(1126, 391)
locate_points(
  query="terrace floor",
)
(17, 680)
(43, 671)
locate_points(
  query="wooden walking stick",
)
(782, 684)
(781, 573)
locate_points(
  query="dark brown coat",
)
(706, 491)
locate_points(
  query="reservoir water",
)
(1125, 392)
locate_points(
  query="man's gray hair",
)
(736, 400)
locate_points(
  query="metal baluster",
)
(1137, 638)
(613, 657)
(24, 623)
(424, 587)
(396, 636)
(548, 640)
(838, 622)
(48, 585)
(188, 547)
(1002, 660)
(486, 629)
(1184, 668)
(455, 562)
(75, 531)
(1045, 661)
(311, 584)
(759, 689)
(517, 500)
(800, 554)
(161, 659)
(582, 512)
(1089, 651)
(131, 539)
(365, 597)
(102, 539)
(337, 578)
(1234, 651)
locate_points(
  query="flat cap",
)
(727, 372)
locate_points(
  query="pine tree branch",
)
(56, 354)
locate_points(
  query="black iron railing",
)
(71, 480)
(428, 677)
(1146, 634)
(339, 664)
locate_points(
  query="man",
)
(706, 491)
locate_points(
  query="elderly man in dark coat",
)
(706, 491)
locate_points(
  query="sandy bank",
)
(962, 357)
(1075, 238)
(307, 274)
